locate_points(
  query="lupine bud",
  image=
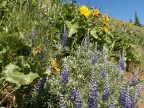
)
(135, 78)
(103, 73)
(65, 74)
(121, 64)
(64, 37)
(62, 104)
(95, 57)
(86, 42)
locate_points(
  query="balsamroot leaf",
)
(12, 74)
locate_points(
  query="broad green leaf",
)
(24, 62)
(93, 33)
(72, 28)
(12, 74)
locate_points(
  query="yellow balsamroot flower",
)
(105, 27)
(96, 12)
(55, 65)
(107, 17)
(85, 11)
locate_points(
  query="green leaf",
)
(24, 61)
(3, 51)
(134, 84)
(72, 28)
(12, 74)
(93, 33)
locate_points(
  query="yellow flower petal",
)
(85, 11)
(96, 12)
(55, 65)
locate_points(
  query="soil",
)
(129, 75)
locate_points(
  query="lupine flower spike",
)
(106, 92)
(121, 64)
(40, 84)
(95, 57)
(78, 100)
(128, 102)
(123, 95)
(93, 99)
(65, 74)
(86, 42)
(103, 73)
(76, 97)
(134, 98)
(64, 37)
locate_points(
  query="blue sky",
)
(121, 9)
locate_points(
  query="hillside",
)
(58, 54)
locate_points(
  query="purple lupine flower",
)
(73, 93)
(86, 42)
(128, 102)
(121, 64)
(62, 104)
(106, 92)
(33, 35)
(123, 95)
(93, 100)
(135, 78)
(103, 73)
(95, 57)
(43, 82)
(65, 74)
(139, 89)
(134, 98)
(64, 37)
(78, 100)
(38, 85)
